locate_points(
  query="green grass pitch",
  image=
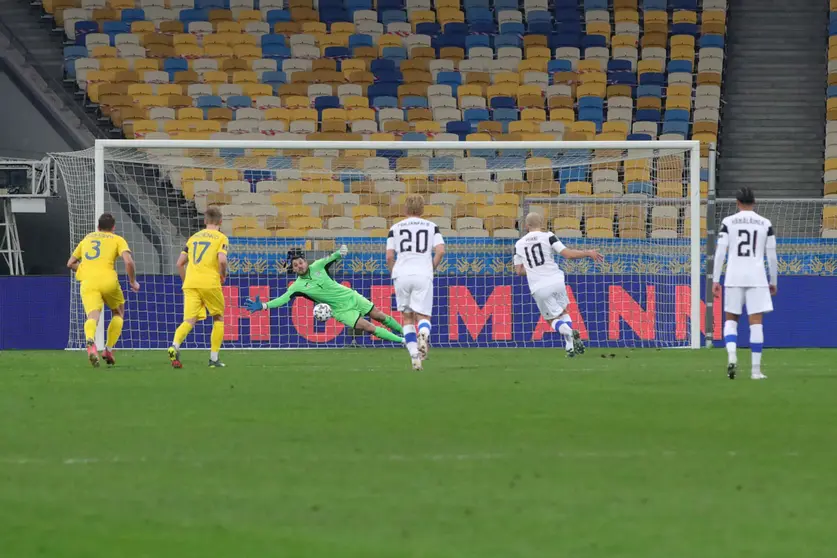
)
(487, 453)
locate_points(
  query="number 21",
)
(747, 247)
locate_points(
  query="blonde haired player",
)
(420, 248)
(533, 257)
(94, 261)
(203, 268)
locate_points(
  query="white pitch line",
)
(404, 458)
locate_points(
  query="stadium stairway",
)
(773, 133)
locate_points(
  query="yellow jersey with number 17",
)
(202, 249)
(97, 254)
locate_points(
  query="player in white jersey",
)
(746, 237)
(414, 250)
(534, 258)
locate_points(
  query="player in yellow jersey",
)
(203, 268)
(94, 261)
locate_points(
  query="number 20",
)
(420, 246)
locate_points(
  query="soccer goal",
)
(639, 203)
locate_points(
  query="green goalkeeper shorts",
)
(351, 311)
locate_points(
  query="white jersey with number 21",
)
(746, 234)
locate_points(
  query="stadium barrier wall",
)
(610, 310)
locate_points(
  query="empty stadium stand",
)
(402, 69)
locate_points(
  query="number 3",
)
(97, 251)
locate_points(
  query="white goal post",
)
(620, 197)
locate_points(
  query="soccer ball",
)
(322, 312)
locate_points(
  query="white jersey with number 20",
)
(746, 235)
(413, 240)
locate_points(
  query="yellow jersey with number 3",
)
(203, 249)
(97, 254)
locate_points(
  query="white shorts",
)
(414, 293)
(756, 299)
(552, 300)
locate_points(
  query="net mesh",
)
(630, 204)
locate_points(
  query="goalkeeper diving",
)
(348, 306)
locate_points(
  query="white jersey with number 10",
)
(747, 235)
(536, 252)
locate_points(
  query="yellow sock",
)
(181, 333)
(114, 331)
(217, 336)
(90, 329)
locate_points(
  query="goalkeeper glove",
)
(343, 251)
(254, 305)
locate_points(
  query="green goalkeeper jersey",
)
(318, 285)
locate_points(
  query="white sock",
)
(424, 327)
(756, 344)
(731, 339)
(175, 345)
(565, 328)
(107, 348)
(411, 340)
(213, 356)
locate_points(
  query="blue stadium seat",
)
(680, 66)
(392, 16)
(279, 163)
(641, 187)
(559, 40)
(647, 115)
(591, 102)
(652, 78)
(564, 15)
(275, 16)
(441, 163)
(508, 40)
(461, 129)
(449, 78)
(174, 65)
(188, 16)
(276, 52)
(684, 5)
(639, 137)
(685, 29)
(482, 27)
(649, 91)
(503, 103)
(269, 39)
(274, 79)
(360, 40)
(831, 91)
(430, 29)
(230, 153)
(539, 28)
(655, 5)
(384, 5)
(130, 15)
(511, 28)
(476, 115)
(326, 102)
(209, 101)
(456, 29)
(254, 176)
(382, 90)
(393, 76)
(414, 136)
(559, 65)
(83, 28)
(394, 53)
(619, 66)
(621, 78)
(353, 5)
(505, 114)
(210, 4)
(381, 66)
(472, 41)
(595, 5)
(239, 101)
(385, 101)
(413, 101)
(113, 28)
(337, 52)
(500, 5)
(711, 40)
(478, 14)
(594, 41)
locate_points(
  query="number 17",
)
(199, 256)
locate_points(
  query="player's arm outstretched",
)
(559, 248)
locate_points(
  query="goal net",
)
(638, 203)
